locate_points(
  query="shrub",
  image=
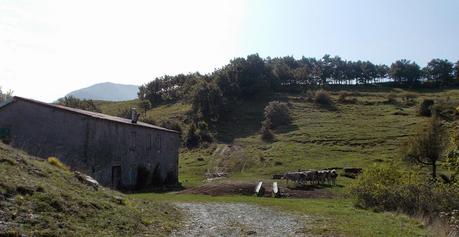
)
(276, 114)
(266, 133)
(56, 162)
(323, 98)
(204, 133)
(425, 108)
(387, 188)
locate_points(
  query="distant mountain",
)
(107, 91)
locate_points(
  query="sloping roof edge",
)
(89, 114)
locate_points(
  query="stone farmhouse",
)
(120, 153)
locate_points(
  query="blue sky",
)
(51, 47)
(380, 31)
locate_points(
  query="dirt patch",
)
(238, 219)
(219, 189)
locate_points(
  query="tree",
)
(145, 105)
(191, 137)
(405, 72)
(456, 71)
(207, 102)
(74, 102)
(430, 146)
(439, 71)
(5, 95)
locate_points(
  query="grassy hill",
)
(369, 128)
(39, 199)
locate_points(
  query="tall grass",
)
(57, 163)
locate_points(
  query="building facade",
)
(117, 152)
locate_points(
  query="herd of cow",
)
(312, 177)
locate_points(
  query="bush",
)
(388, 188)
(425, 108)
(204, 133)
(276, 114)
(56, 162)
(266, 133)
(323, 98)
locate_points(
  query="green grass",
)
(40, 199)
(356, 135)
(331, 217)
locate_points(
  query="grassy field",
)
(39, 199)
(368, 132)
(331, 217)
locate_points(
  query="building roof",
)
(89, 114)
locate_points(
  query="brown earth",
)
(240, 188)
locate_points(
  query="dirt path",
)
(238, 219)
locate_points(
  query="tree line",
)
(245, 78)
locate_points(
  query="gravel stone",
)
(238, 219)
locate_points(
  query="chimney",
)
(134, 116)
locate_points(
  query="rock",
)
(88, 180)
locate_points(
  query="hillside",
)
(366, 131)
(38, 199)
(106, 91)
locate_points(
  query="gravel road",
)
(238, 219)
